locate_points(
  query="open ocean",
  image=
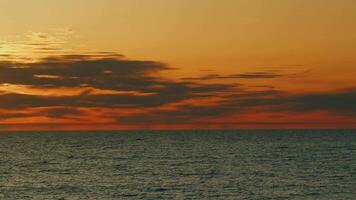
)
(239, 164)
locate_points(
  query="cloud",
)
(339, 103)
(250, 75)
(267, 73)
(62, 112)
(109, 81)
(36, 44)
(77, 70)
(9, 115)
(55, 112)
(132, 83)
(165, 96)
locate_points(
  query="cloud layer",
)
(121, 91)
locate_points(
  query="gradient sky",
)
(178, 64)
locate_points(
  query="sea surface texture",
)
(284, 164)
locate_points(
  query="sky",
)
(178, 64)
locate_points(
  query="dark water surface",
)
(285, 164)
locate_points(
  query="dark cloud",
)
(252, 75)
(341, 102)
(134, 84)
(269, 101)
(64, 112)
(78, 70)
(10, 115)
(270, 74)
(57, 112)
(231, 105)
(338, 102)
(110, 72)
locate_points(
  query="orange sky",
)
(179, 64)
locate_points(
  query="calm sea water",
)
(288, 164)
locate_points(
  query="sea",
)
(200, 164)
